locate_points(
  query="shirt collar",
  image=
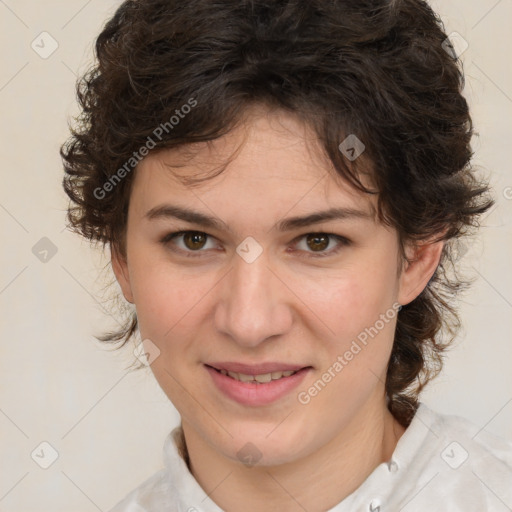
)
(381, 482)
(185, 489)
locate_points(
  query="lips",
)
(260, 391)
(256, 369)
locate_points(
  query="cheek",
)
(172, 307)
(160, 296)
(358, 308)
(356, 355)
(350, 302)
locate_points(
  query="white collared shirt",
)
(441, 463)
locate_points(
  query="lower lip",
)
(248, 393)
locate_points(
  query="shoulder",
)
(172, 489)
(150, 496)
(467, 467)
(468, 439)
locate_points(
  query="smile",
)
(256, 389)
(259, 379)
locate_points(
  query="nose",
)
(254, 303)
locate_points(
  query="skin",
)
(284, 306)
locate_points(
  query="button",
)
(392, 466)
(375, 506)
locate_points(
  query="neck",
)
(336, 470)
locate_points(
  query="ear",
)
(120, 267)
(423, 260)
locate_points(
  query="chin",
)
(253, 445)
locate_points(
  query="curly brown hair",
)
(376, 68)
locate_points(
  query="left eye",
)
(321, 241)
(195, 241)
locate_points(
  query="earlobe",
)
(120, 268)
(423, 262)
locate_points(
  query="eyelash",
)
(343, 242)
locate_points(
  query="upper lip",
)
(255, 369)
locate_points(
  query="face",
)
(259, 292)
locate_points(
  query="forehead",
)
(270, 158)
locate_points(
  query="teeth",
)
(263, 378)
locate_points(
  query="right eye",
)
(193, 242)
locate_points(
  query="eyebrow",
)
(168, 211)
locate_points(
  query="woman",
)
(281, 185)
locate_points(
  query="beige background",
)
(57, 384)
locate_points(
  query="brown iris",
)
(196, 239)
(318, 241)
